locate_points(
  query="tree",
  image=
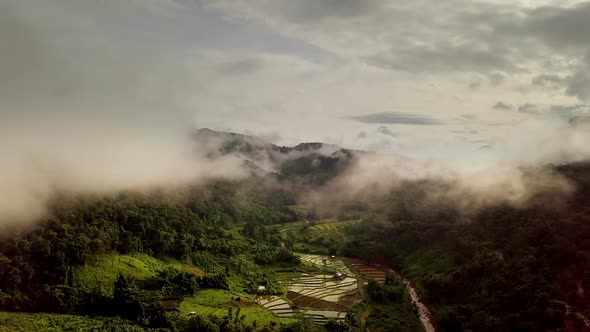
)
(199, 323)
(375, 291)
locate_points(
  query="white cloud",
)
(91, 73)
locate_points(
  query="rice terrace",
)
(320, 296)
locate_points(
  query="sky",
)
(469, 82)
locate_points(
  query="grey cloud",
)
(465, 131)
(486, 146)
(576, 85)
(560, 27)
(397, 118)
(445, 57)
(580, 122)
(240, 67)
(493, 39)
(85, 109)
(564, 29)
(475, 85)
(509, 38)
(569, 111)
(316, 11)
(60, 63)
(271, 137)
(579, 84)
(548, 81)
(502, 106)
(497, 78)
(386, 131)
(466, 40)
(464, 119)
(564, 111)
(528, 108)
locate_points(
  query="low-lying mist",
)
(81, 114)
(374, 177)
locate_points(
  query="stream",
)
(423, 312)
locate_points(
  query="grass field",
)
(319, 237)
(218, 302)
(28, 322)
(103, 271)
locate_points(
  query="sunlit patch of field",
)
(218, 302)
(320, 296)
(103, 270)
(331, 264)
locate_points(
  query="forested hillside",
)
(504, 268)
(138, 255)
(145, 260)
(46, 269)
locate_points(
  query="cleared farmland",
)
(367, 271)
(318, 296)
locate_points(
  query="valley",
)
(285, 251)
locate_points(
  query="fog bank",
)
(82, 114)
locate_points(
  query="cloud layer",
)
(397, 118)
(83, 114)
(107, 93)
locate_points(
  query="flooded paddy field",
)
(320, 296)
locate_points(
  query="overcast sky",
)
(466, 81)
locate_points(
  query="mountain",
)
(310, 162)
(148, 260)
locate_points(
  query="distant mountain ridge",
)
(314, 162)
(235, 142)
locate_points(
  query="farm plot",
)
(217, 302)
(320, 296)
(276, 304)
(368, 271)
(332, 264)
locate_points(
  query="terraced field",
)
(368, 271)
(332, 264)
(277, 304)
(319, 296)
(316, 237)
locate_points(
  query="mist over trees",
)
(481, 262)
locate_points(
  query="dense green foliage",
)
(95, 255)
(26, 322)
(152, 259)
(392, 307)
(504, 268)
